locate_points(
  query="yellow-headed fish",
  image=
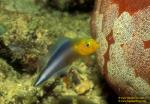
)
(65, 52)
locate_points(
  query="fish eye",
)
(87, 44)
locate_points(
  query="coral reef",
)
(26, 32)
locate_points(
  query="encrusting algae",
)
(25, 35)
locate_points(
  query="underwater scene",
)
(74, 51)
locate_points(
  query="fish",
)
(64, 53)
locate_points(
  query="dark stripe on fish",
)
(58, 61)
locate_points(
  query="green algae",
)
(25, 6)
(2, 29)
(28, 35)
(15, 87)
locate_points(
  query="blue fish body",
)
(61, 57)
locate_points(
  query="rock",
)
(123, 32)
